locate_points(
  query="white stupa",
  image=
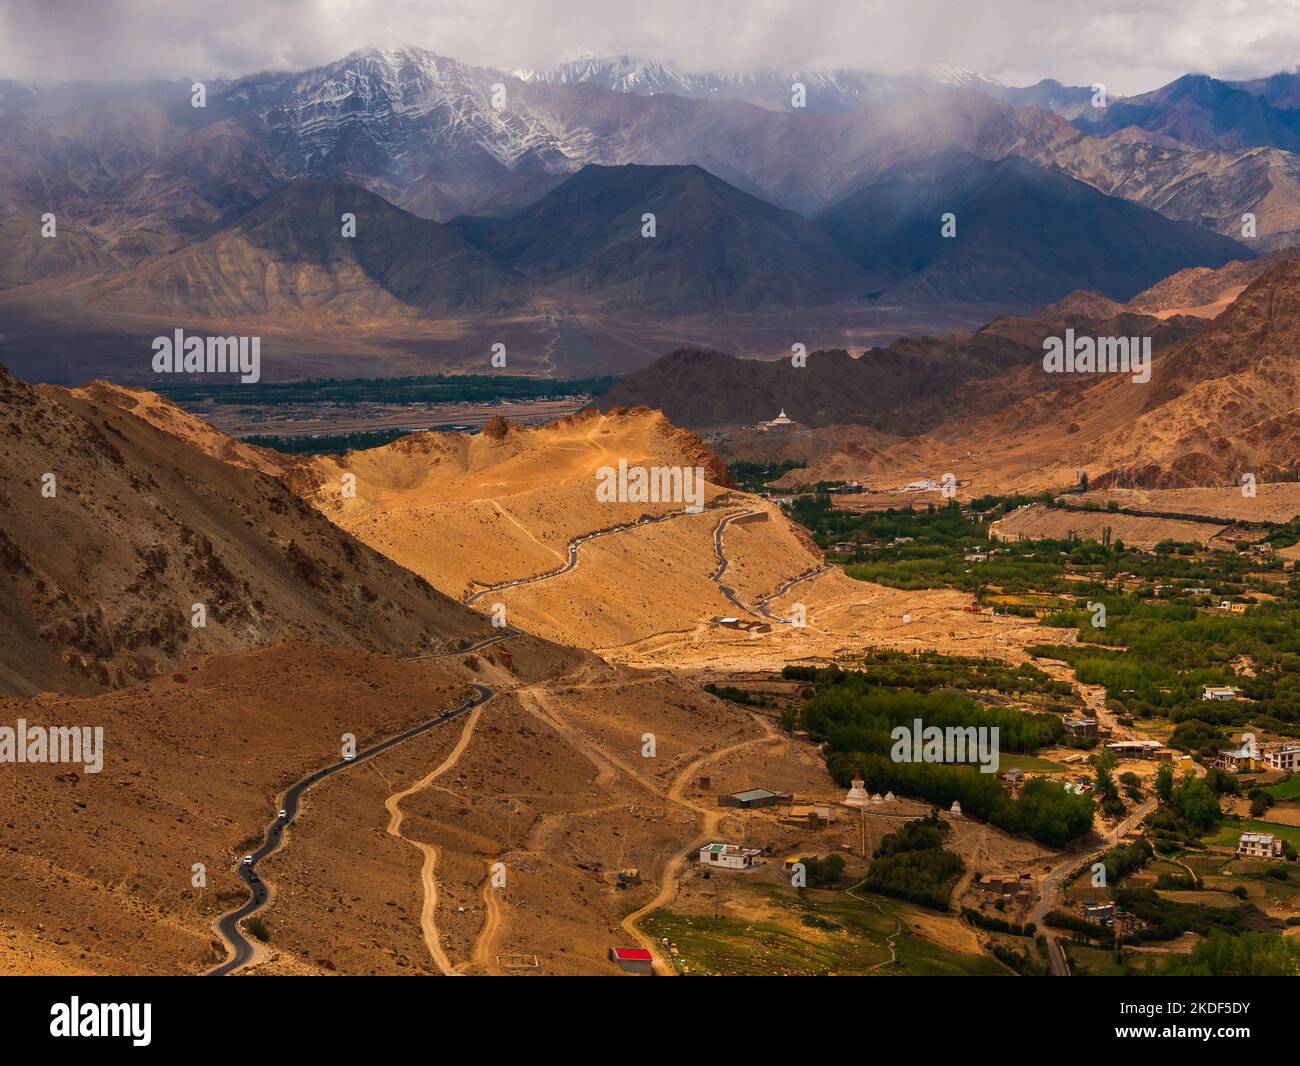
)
(857, 796)
(781, 421)
(955, 808)
(889, 797)
(877, 798)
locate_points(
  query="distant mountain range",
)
(587, 244)
(1207, 113)
(481, 192)
(823, 91)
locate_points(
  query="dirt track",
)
(429, 851)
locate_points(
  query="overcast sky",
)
(1130, 45)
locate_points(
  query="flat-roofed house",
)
(1135, 749)
(1260, 846)
(1285, 758)
(728, 856)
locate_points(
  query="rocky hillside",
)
(111, 531)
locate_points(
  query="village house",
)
(1285, 758)
(1221, 694)
(1081, 727)
(853, 488)
(1260, 846)
(1239, 760)
(729, 857)
(1135, 749)
(812, 815)
(745, 625)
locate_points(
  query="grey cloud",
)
(1130, 45)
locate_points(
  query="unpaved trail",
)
(710, 816)
(483, 957)
(242, 951)
(429, 851)
(892, 939)
(528, 532)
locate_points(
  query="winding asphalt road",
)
(228, 924)
(730, 593)
(761, 605)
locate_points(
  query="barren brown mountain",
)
(113, 531)
(1221, 403)
(911, 385)
(1202, 291)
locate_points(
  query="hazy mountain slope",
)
(100, 580)
(1208, 187)
(288, 256)
(1023, 234)
(27, 255)
(714, 246)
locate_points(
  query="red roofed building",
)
(632, 960)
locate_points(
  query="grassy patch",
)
(820, 933)
(1285, 790)
(1230, 832)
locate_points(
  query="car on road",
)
(252, 877)
(248, 860)
(283, 813)
(348, 758)
(444, 714)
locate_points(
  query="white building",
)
(1221, 694)
(1260, 846)
(728, 856)
(1287, 758)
